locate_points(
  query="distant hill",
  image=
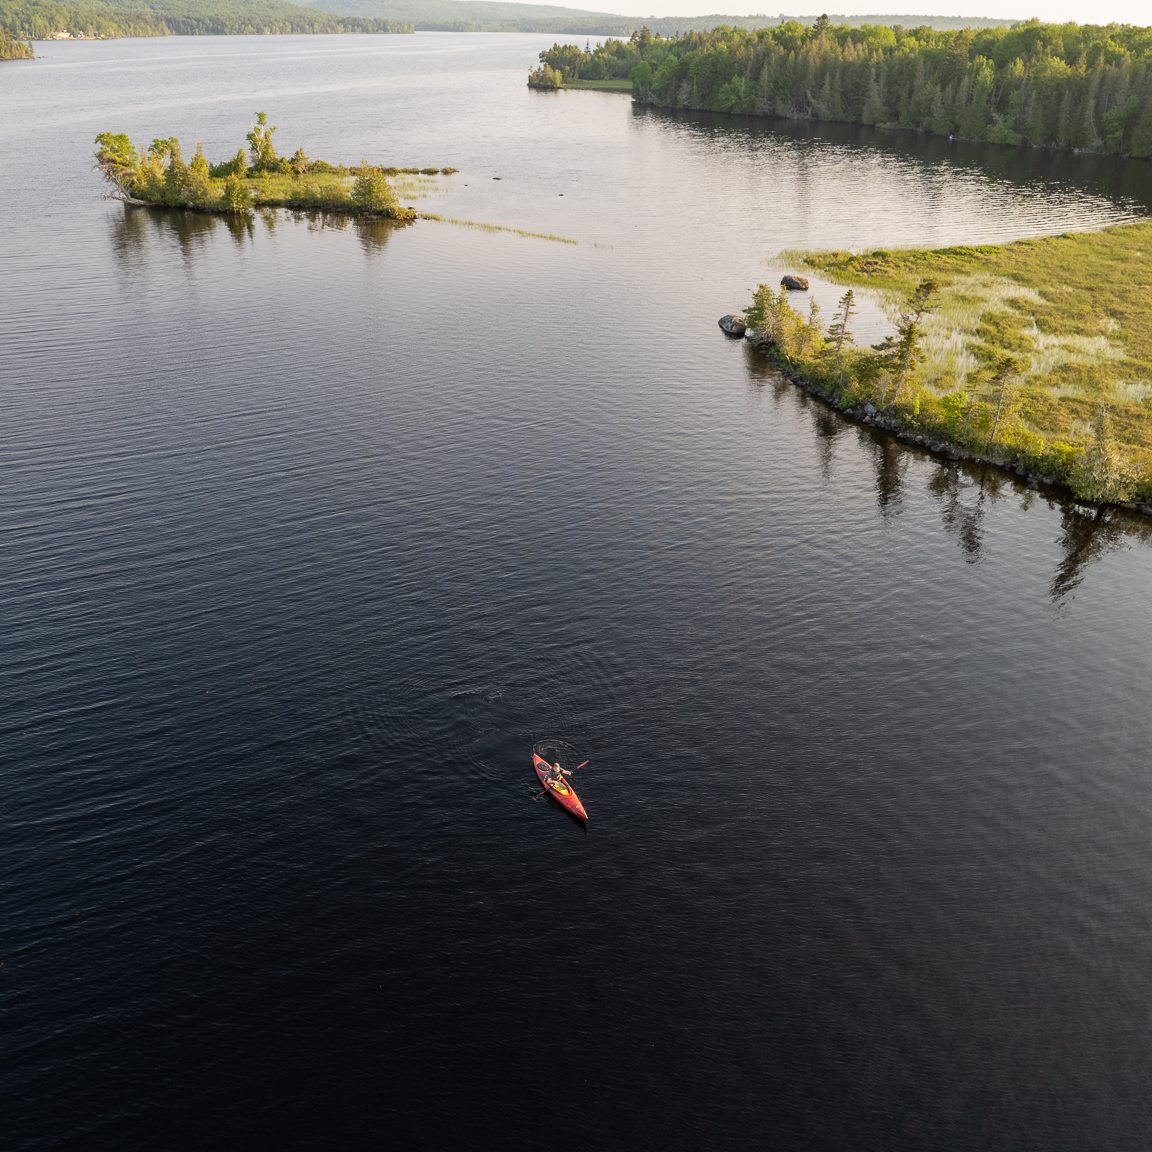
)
(494, 16)
(41, 19)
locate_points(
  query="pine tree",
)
(838, 330)
(902, 353)
(1005, 370)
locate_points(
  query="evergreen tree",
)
(838, 332)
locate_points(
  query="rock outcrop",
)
(795, 283)
(733, 324)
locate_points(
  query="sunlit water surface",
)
(310, 529)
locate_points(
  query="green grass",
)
(601, 85)
(1074, 310)
(496, 228)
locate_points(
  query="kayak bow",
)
(562, 793)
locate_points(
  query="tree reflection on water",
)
(1086, 536)
(135, 229)
(891, 461)
(965, 500)
(132, 230)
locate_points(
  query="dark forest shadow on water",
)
(1126, 182)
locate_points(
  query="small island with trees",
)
(159, 176)
(1035, 356)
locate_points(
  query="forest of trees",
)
(39, 19)
(13, 49)
(1062, 85)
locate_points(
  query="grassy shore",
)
(601, 85)
(1036, 354)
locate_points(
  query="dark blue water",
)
(309, 530)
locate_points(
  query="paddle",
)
(549, 788)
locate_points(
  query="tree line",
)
(1050, 85)
(39, 19)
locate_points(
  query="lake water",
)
(311, 530)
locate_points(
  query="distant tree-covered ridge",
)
(498, 16)
(159, 176)
(1063, 85)
(41, 19)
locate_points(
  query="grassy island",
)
(1036, 355)
(1047, 85)
(158, 176)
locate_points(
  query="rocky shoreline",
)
(869, 415)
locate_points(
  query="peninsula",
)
(1086, 86)
(1036, 355)
(158, 176)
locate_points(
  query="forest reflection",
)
(134, 232)
(1086, 536)
(965, 493)
(891, 462)
(965, 500)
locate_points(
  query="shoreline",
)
(399, 216)
(956, 453)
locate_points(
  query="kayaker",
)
(556, 774)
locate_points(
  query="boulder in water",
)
(795, 283)
(733, 324)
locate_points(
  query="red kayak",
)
(561, 792)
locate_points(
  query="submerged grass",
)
(1073, 310)
(496, 228)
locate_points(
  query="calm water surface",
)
(310, 530)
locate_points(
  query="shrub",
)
(545, 77)
(372, 193)
(237, 166)
(236, 197)
(1103, 472)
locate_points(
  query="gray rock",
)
(795, 283)
(870, 408)
(733, 324)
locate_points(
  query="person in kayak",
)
(555, 775)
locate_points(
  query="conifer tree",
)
(838, 331)
(1005, 370)
(902, 352)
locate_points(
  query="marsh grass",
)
(1075, 312)
(496, 228)
(415, 187)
